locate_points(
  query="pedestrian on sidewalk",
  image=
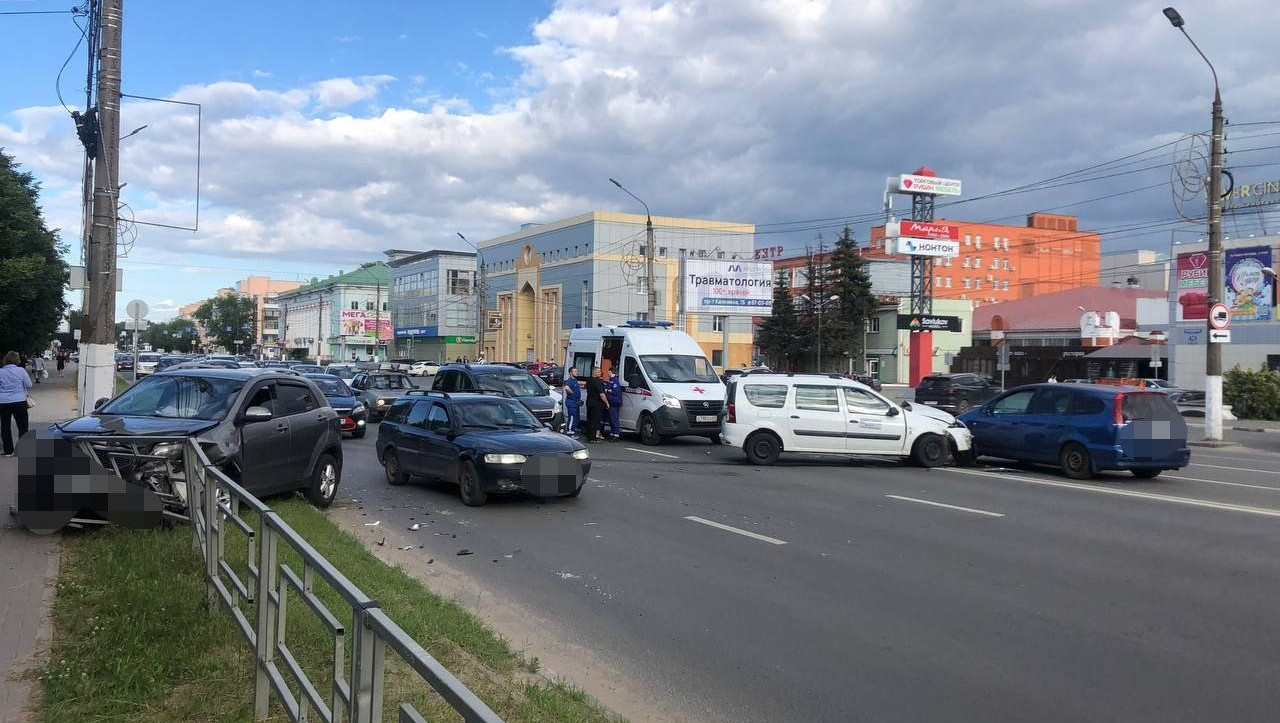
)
(62, 362)
(572, 398)
(37, 366)
(14, 384)
(596, 405)
(613, 393)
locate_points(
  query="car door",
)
(265, 445)
(818, 421)
(446, 381)
(634, 393)
(997, 429)
(308, 425)
(438, 450)
(874, 426)
(411, 438)
(1046, 424)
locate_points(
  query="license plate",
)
(934, 403)
(705, 418)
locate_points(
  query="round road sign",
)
(1219, 316)
(137, 309)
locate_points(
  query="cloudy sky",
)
(334, 130)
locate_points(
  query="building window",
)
(968, 240)
(873, 325)
(948, 282)
(718, 322)
(644, 250)
(460, 281)
(977, 241)
(968, 284)
(642, 285)
(717, 357)
(355, 306)
(368, 306)
(719, 254)
(966, 262)
(662, 252)
(1006, 285)
(642, 316)
(584, 304)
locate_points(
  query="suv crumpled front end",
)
(935, 420)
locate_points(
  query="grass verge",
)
(133, 641)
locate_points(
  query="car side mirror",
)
(906, 406)
(987, 411)
(98, 404)
(257, 414)
(893, 412)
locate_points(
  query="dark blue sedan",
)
(1082, 428)
(352, 416)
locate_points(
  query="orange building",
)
(1003, 263)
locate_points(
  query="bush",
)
(1252, 394)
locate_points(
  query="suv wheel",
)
(1075, 461)
(391, 466)
(962, 405)
(762, 448)
(469, 485)
(324, 481)
(649, 430)
(930, 451)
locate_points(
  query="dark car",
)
(1083, 428)
(352, 414)
(342, 371)
(378, 390)
(269, 432)
(124, 362)
(206, 364)
(305, 369)
(513, 382)
(553, 376)
(955, 393)
(483, 442)
(169, 361)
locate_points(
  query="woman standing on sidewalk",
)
(14, 383)
(37, 364)
(62, 361)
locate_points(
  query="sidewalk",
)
(28, 564)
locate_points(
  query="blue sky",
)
(332, 131)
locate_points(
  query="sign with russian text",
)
(719, 287)
(1250, 291)
(922, 247)
(365, 324)
(922, 230)
(928, 185)
(1193, 286)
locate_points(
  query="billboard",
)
(922, 247)
(929, 322)
(911, 183)
(363, 324)
(712, 286)
(1250, 294)
(1193, 286)
(922, 230)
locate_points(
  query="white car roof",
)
(799, 378)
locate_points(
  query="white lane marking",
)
(736, 531)
(655, 454)
(1124, 493)
(1237, 469)
(1220, 482)
(950, 507)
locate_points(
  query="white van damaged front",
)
(928, 419)
(695, 408)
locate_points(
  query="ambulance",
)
(670, 388)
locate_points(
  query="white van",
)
(669, 387)
(769, 414)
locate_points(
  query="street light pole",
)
(482, 321)
(649, 252)
(819, 305)
(1213, 353)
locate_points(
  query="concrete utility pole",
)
(650, 252)
(482, 277)
(1213, 352)
(98, 357)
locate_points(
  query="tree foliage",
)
(779, 336)
(851, 281)
(32, 272)
(229, 319)
(1252, 394)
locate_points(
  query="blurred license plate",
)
(705, 418)
(930, 402)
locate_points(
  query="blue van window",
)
(1087, 404)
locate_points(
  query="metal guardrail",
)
(271, 586)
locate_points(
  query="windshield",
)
(149, 357)
(678, 368)
(496, 413)
(515, 383)
(388, 382)
(343, 372)
(177, 396)
(307, 369)
(333, 387)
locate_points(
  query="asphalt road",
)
(872, 591)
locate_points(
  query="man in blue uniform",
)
(613, 393)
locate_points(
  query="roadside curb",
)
(1264, 430)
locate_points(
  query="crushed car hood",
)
(921, 410)
(105, 424)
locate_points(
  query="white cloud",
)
(785, 109)
(256, 73)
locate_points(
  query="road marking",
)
(1125, 493)
(1237, 469)
(950, 507)
(1220, 482)
(655, 454)
(736, 531)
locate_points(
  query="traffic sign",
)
(137, 309)
(1219, 317)
(1219, 336)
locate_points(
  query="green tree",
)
(171, 336)
(229, 319)
(815, 309)
(851, 281)
(779, 336)
(32, 272)
(67, 339)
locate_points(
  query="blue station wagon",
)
(1083, 428)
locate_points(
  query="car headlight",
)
(359, 407)
(557, 408)
(381, 402)
(504, 458)
(581, 454)
(670, 401)
(957, 424)
(171, 450)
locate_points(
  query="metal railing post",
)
(264, 635)
(367, 652)
(212, 531)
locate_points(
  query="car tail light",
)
(1117, 410)
(953, 390)
(731, 416)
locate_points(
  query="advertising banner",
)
(922, 247)
(1193, 286)
(365, 324)
(1250, 293)
(911, 183)
(929, 322)
(922, 230)
(728, 287)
